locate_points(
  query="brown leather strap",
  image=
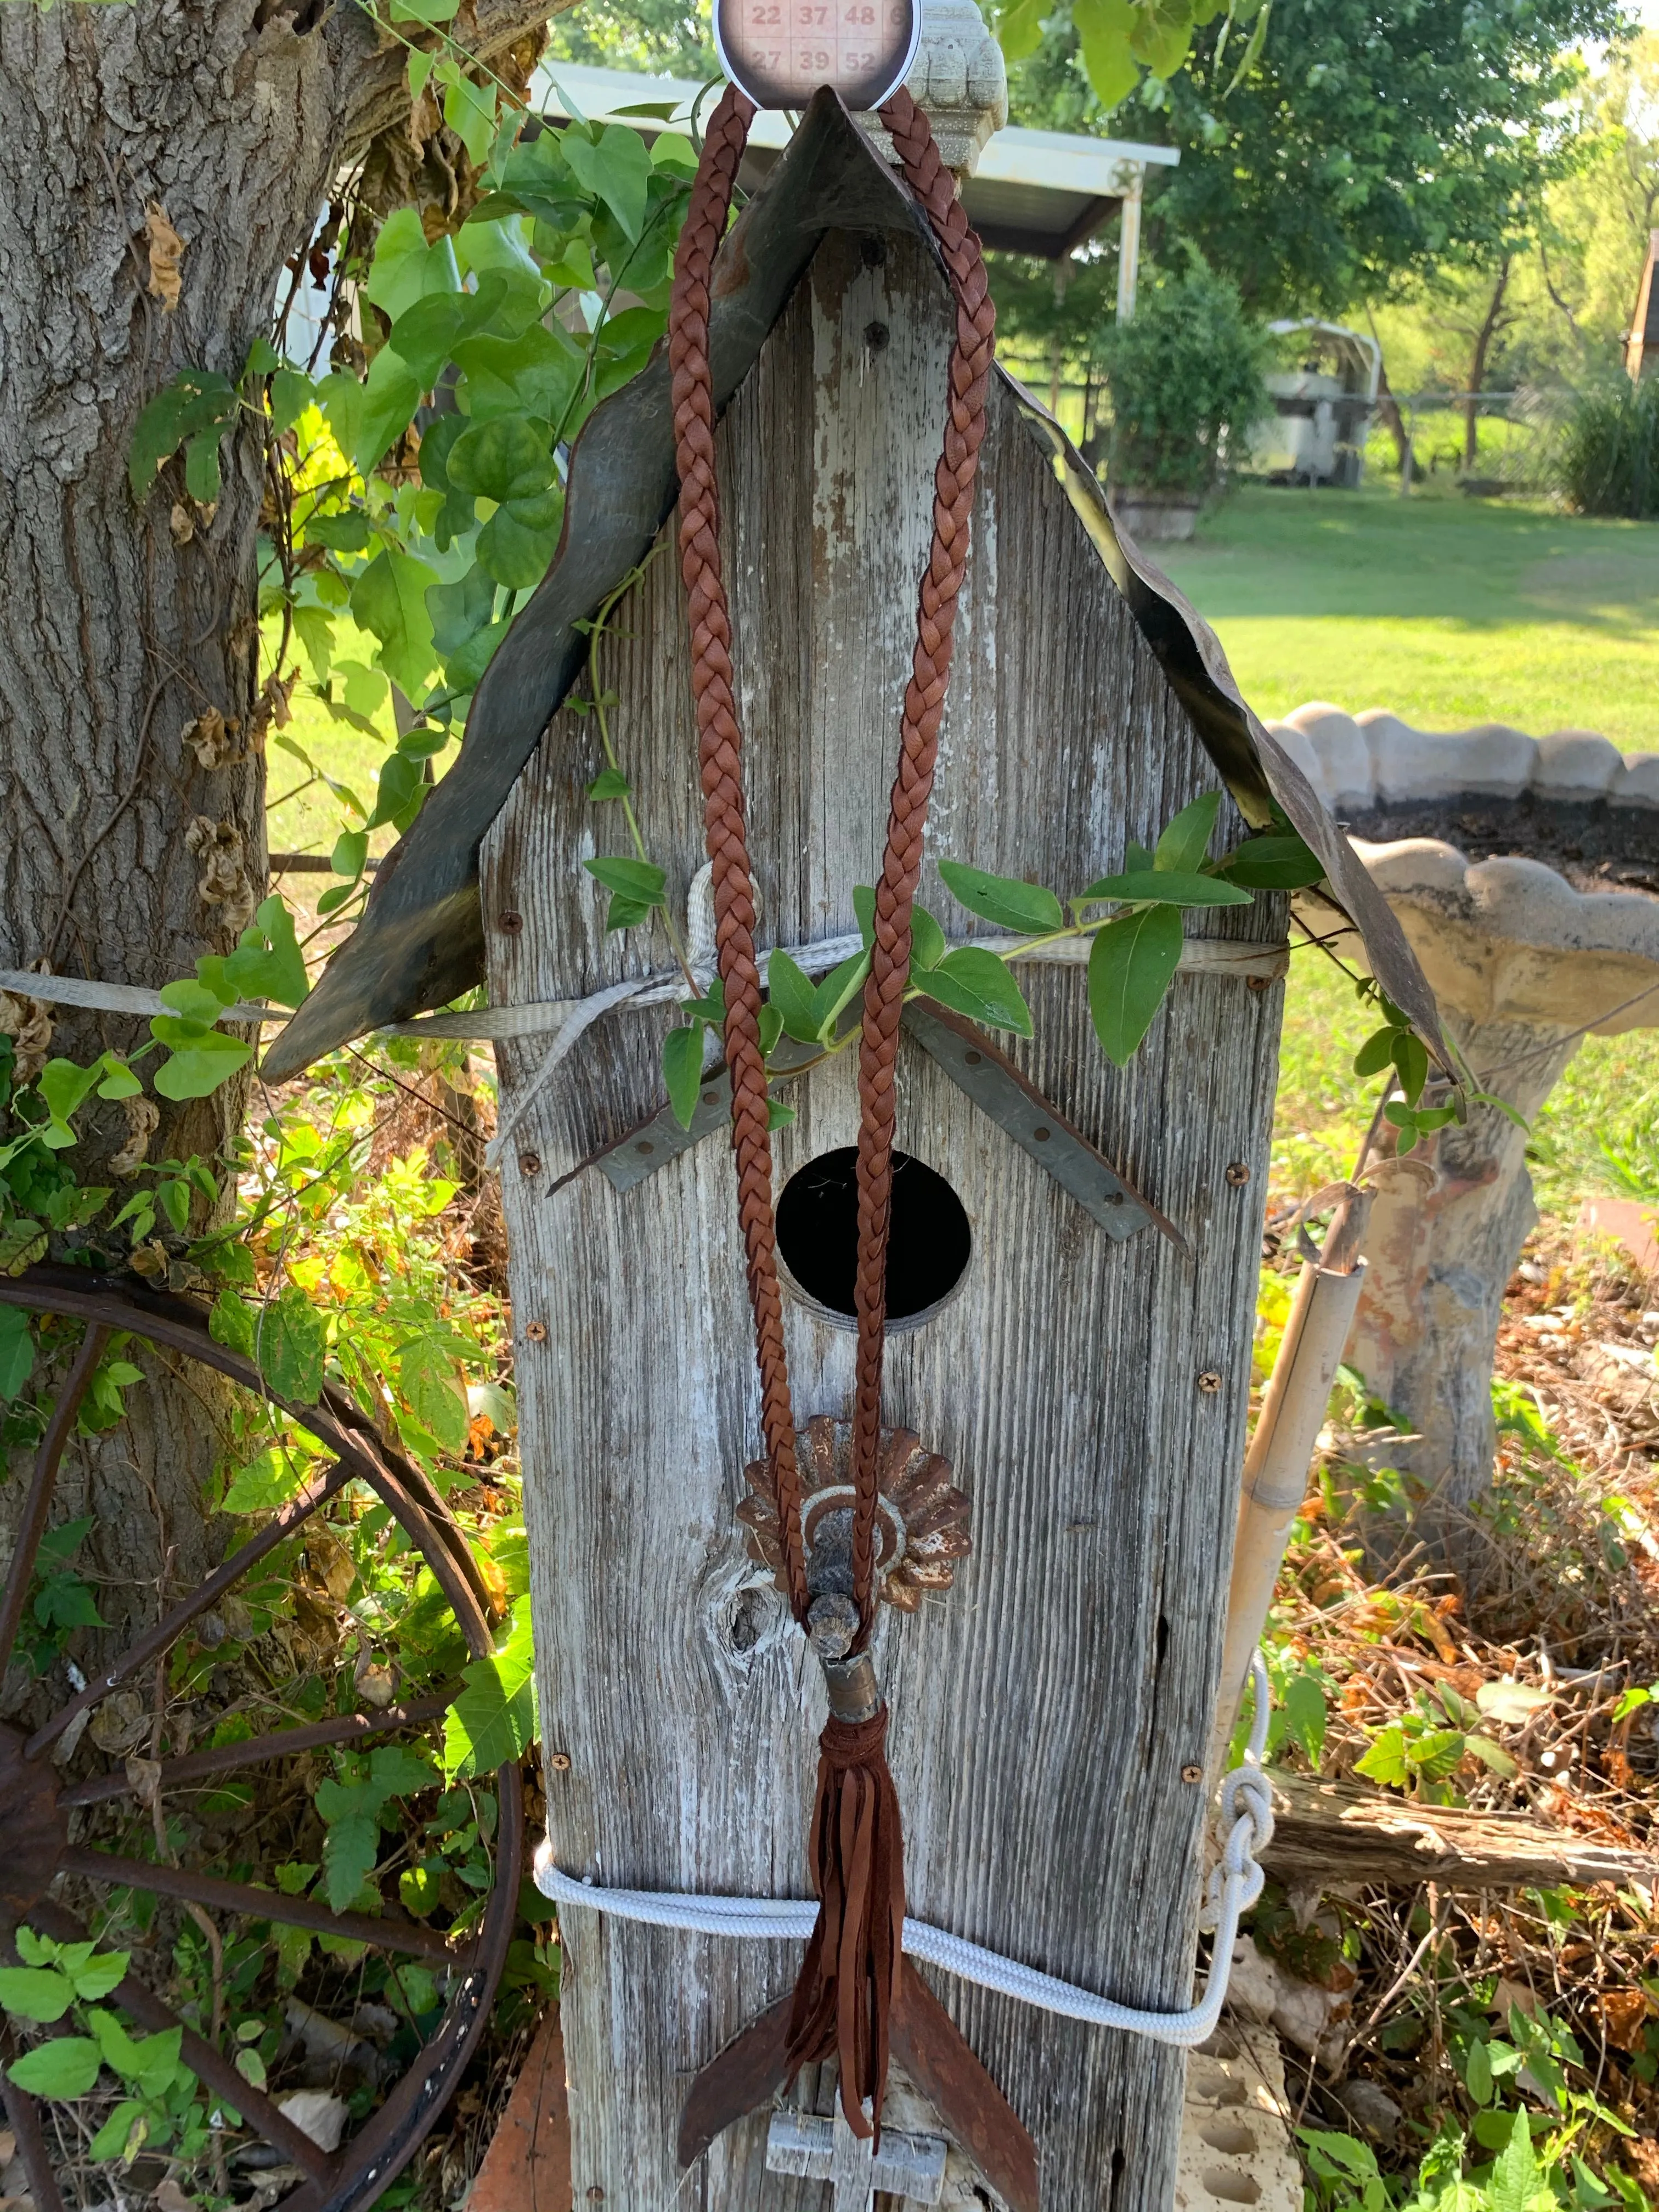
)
(901, 868)
(719, 753)
(852, 1973)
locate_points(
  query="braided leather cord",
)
(924, 708)
(720, 755)
(719, 741)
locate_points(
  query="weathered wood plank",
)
(1044, 1711)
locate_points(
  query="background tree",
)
(1360, 146)
(166, 162)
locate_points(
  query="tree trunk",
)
(1492, 323)
(122, 620)
(1388, 414)
(1445, 1237)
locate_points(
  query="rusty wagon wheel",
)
(37, 1848)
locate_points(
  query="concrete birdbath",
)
(1524, 872)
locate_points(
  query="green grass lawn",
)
(1448, 611)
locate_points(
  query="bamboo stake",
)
(1276, 1465)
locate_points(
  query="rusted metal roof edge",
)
(420, 942)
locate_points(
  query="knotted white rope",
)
(1244, 1824)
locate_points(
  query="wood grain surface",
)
(1044, 1710)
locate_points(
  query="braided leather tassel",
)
(849, 1978)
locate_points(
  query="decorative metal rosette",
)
(921, 1518)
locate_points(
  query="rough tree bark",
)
(234, 116)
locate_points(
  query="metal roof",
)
(1034, 192)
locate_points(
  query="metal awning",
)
(1035, 192)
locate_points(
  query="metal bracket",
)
(654, 1143)
(977, 1067)
(990, 1078)
(908, 2167)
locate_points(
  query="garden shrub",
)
(1185, 377)
(1610, 453)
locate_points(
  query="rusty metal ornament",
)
(922, 1518)
(780, 52)
(42, 1807)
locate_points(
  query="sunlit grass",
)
(1448, 611)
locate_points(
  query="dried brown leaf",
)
(166, 250)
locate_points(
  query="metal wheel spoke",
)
(381, 2147)
(280, 1525)
(209, 2065)
(257, 1750)
(38, 1503)
(391, 1932)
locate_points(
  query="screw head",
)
(1238, 1175)
(511, 920)
(1258, 982)
(531, 1164)
(877, 336)
(535, 1331)
(1209, 1382)
(559, 1761)
(595, 2194)
(1192, 1772)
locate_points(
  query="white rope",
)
(565, 1039)
(117, 997)
(1244, 1820)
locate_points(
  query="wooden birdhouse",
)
(1073, 1244)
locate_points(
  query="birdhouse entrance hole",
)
(928, 1247)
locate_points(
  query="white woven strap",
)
(1245, 1822)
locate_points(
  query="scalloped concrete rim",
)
(420, 942)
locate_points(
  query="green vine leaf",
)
(268, 962)
(389, 599)
(194, 410)
(794, 998)
(290, 1342)
(16, 1356)
(976, 983)
(615, 169)
(1132, 964)
(67, 2067)
(1271, 864)
(1166, 887)
(406, 268)
(37, 1993)
(493, 1720)
(682, 1068)
(636, 887)
(1186, 837)
(1026, 908)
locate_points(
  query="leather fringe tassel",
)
(849, 1978)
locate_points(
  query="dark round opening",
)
(928, 1244)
